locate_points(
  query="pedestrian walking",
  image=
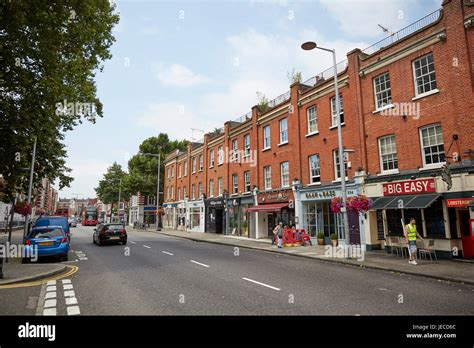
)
(410, 235)
(278, 232)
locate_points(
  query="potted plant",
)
(334, 239)
(321, 238)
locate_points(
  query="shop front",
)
(239, 221)
(272, 208)
(181, 221)
(149, 214)
(170, 217)
(441, 215)
(215, 215)
(315, 215)
(195, 216)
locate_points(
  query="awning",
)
(267, 208)
(405, 201)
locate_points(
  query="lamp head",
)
(307, 46)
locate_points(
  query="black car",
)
(110, 233)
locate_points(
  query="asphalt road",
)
(160, 275)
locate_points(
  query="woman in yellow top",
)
(410, 234)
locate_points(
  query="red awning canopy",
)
(267, 208)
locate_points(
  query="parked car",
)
(54, 221)
(109, 233)
(73, 221)
(50, 240)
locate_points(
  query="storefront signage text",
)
(327, 194)
(274, 197)
(411, 187)
(458, 202)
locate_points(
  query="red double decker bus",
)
(90, 216)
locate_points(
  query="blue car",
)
(49, 240)
(54, 221)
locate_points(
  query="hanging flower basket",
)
(23, 208)
(359, 203)
(336, 204)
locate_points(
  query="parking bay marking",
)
(262, 284)
(200, 264)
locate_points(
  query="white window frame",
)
(334, 111)
(267, 140)
(267, 177)
(172, 192)
(415, 77)
(247, 181)
(314, 179)
(193, 165)
(246, 145)
(283, 126)
(211, 158)
(185, 193)
(235, 184)
(285, 174)
(220, 186)
(309, 119)
(179, 170)
(220, 155)
(380, 102)
(201, 162)
(337, 166)
(384, 139)
(179, 194)
(235, 150)
(431, 165)
(185, 168)
(211, 188)
(200, 189)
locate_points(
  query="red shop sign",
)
(458, 202)
(411, 187)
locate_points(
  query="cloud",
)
(178, 75)
(360, 17)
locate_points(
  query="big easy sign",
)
(410, 187)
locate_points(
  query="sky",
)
(179, 65)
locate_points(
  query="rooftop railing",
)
(326, 74)
(243, 118)
(404, 32)
(278, 100)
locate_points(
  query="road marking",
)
(49, 311)
(146, 246)
(167, 253)
(71, 301)
(66, 281)
(50, 295)
(50, 303)
(51, 288)
(51, 282)
(262, 284)
(132, 242)
(73, 310)
(83, 258)
(69, 293)
(67, 287)
(200, 264)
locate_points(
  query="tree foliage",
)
(110, 185)
(50, 54)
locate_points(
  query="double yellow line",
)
(69, 272)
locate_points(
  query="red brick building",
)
(407, 110)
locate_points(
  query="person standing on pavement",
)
(410, 235)
(278, 231)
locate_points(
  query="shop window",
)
(434, 220)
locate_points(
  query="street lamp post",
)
(157, 187)
(30, 187)
(309, 46)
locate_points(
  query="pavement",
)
(158, 274)
(447, 270)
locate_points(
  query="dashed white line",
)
(67, 287)
(66, 281)
(51, 288)
(73, 310)
(71, 301)
(167, 253)
(146, 246)
(49, 311)
(199, 263)
(49, 295)
(49, 303)
(262, 284)
(132, 242)
(69, 293)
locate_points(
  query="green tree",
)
(143, 168)
(51, 52)
(109, 187)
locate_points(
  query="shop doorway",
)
(271, 224)
(354, 230)
(219, 220)
(467, 234)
